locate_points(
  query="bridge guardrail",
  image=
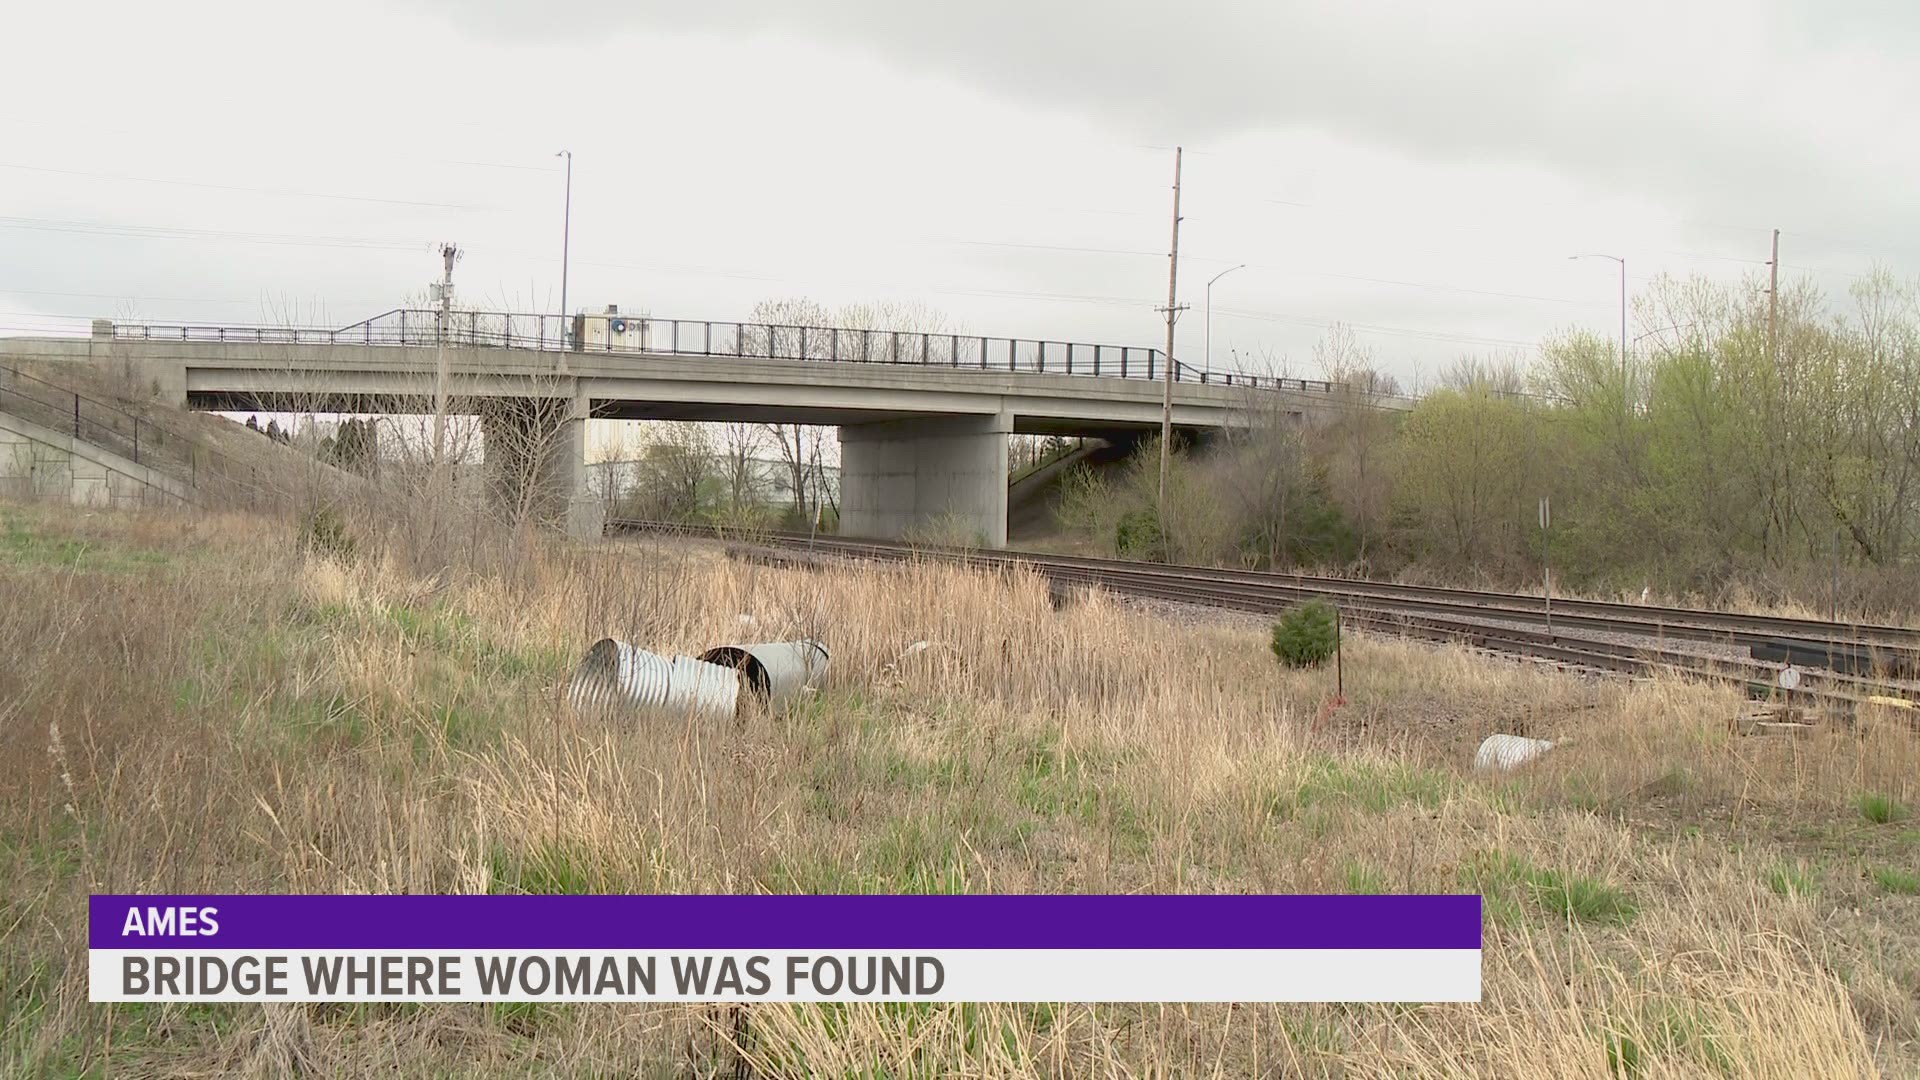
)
(618, 334)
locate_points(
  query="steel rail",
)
(1896, 642)
(1444, 617)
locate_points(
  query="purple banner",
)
(683, 922)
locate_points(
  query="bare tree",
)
(1355, 438)
(1264, 472)
(610, 465)
(675, 465)
(801, 328)
(740, 443)
(782, 332)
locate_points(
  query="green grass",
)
(904, 1023)
(455, 635)
(1366, 880)
(1896, 880)
(22, 548)
(1880, 809)
(1667, 1029)
(1085, 784)
(1341, 786)
(1792, 880)
(549, 870)
(1582, 898)
(324, 719)
(1503, 879)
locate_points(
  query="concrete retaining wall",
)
(39, 462)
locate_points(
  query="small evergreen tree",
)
(1306, 635)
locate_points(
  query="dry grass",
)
(189, 707)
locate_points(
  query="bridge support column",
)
(536, 454)
(942, 477)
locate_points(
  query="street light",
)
(1623, 314)
(1216, 277)
(566, 236)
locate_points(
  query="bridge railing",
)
(616, 334)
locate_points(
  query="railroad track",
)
(1850, 663)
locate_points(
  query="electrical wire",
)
(281, 192)
(164, 232)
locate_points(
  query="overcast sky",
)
(1420, 171)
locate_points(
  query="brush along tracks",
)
(1844, 663)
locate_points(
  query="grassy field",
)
(191, 706)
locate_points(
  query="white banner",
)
(972, 975)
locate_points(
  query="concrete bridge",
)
(923, 418)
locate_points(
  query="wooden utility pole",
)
(1172, 309)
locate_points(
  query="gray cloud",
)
(1752, 112)
(1422, 170)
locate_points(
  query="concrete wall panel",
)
(935, 474)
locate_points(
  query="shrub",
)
(1306, 636)
(1138, 535)
(323, 532)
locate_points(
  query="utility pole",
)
(1173, 310)
(444, 291)
(1773, 303)
(566, 238)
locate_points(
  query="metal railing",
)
(617, 334)
(210, 476)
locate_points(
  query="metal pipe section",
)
(1509, 751)
(615, 676)
(698, 688)
(774, 670)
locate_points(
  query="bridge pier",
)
(536, 455)
(937, 475)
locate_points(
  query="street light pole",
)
(1210, 281)
(566, 237)
(1623, 313)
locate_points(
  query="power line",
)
(1046, 247)
(1271, 268)
(1378, 328)
(255, 144)
(281, 192)
(1434, 286)
(139, 299)
(163, 232)
(5, 291)
(1356, 211)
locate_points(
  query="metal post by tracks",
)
(1546, 563)
(1339, 671)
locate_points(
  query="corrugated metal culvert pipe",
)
(1509, 751)
(618, 677)
(774, 670)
